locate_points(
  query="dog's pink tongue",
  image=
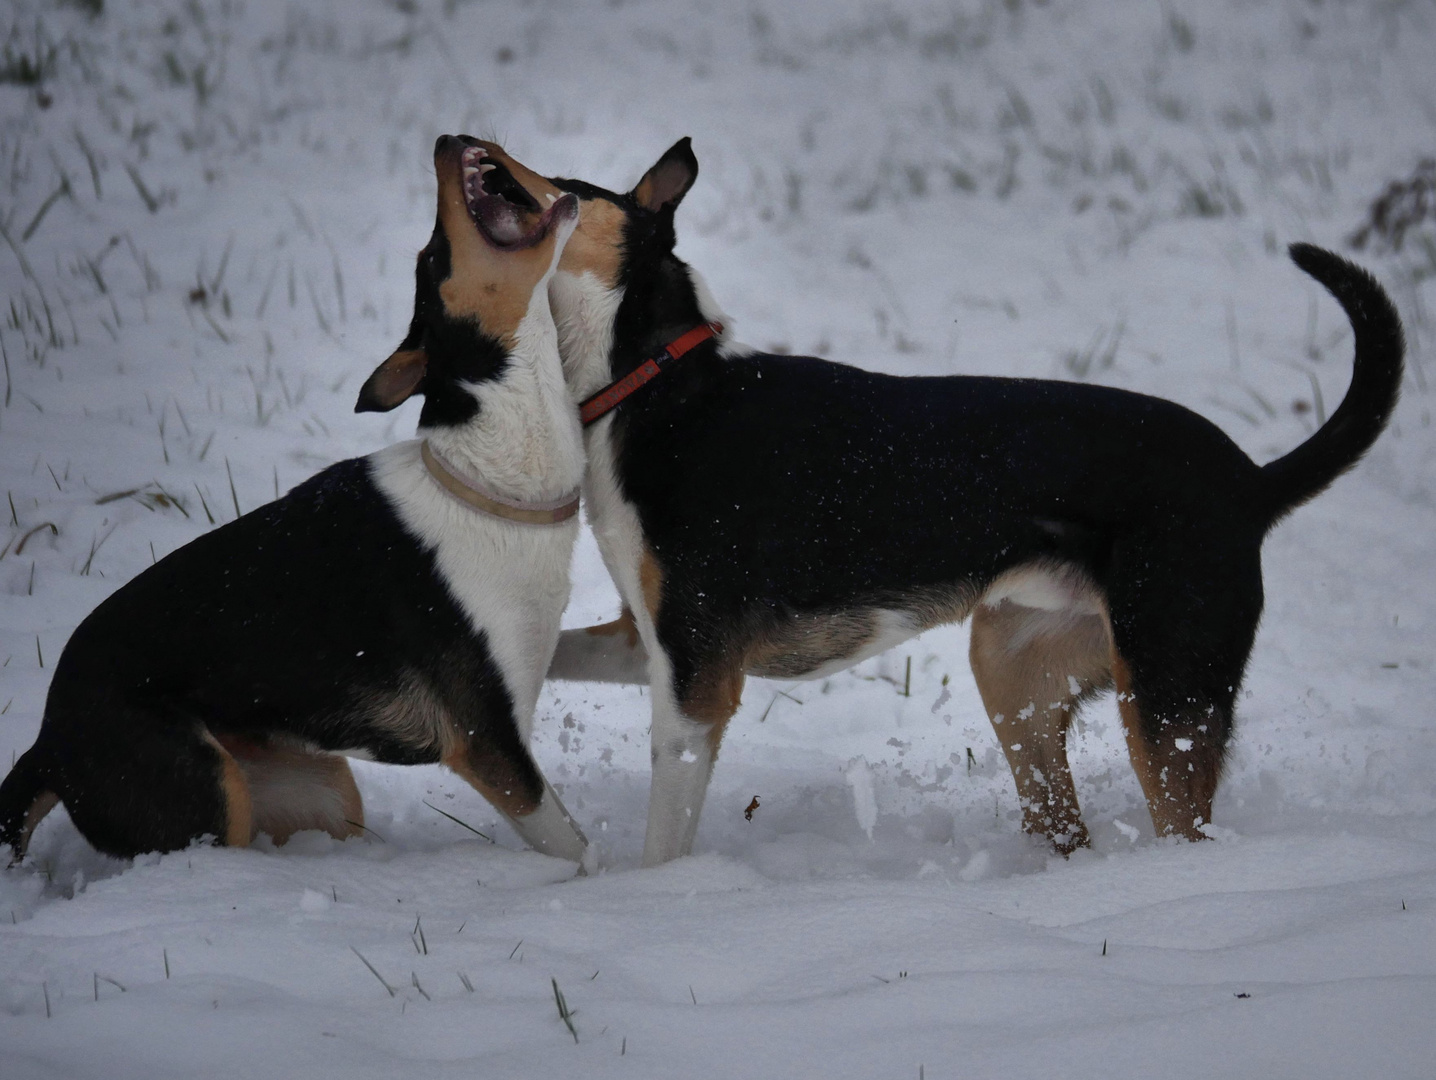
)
(500, 220)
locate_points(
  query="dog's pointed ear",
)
(664, 185)
(393, 382)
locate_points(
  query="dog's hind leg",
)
(1176, 753)
(611, 652)
(26, 796)
(138, 783)
(1182, 631)
(293, 788)
(1033, 667)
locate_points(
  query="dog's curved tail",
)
(26, 796)
(1375, 385)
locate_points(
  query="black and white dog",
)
(401, 607)
(786, 517)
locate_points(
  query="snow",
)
(1097, 192)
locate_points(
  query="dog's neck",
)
(585, 311)
(525, 442)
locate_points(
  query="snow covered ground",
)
(209, 209)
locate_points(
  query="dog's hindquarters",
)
(27, 794)
(136, 783)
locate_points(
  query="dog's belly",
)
(814, 646)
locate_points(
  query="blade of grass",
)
(54, 197)
(563, 1011)
(456, 821)
(373, 969)
(232, 493)
(54, 531)
(204, 504)
(365, 828)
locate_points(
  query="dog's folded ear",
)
(393, 382)
(664, 185)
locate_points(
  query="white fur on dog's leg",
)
(682, 766)
(551, 830)
(583, 656)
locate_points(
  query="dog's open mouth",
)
(507, 215)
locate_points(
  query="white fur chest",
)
(510, 579)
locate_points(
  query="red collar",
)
(611, 395)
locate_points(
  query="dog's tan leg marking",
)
(650, 583)
(1032, 667)
(238, 805)
(714, 698)
(340, 779)
(1178, 771)
(718, 690)
(496, 781)
(538, 815)
(292, 789)
(43, 804)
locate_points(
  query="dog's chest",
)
(511, 580)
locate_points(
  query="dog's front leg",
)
(551, 829)
(688, 726)
(501, 769)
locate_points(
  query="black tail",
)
(22, 786)
(1375, 384)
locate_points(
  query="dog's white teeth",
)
(470, 171)
(486, 167)
(551, 198)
